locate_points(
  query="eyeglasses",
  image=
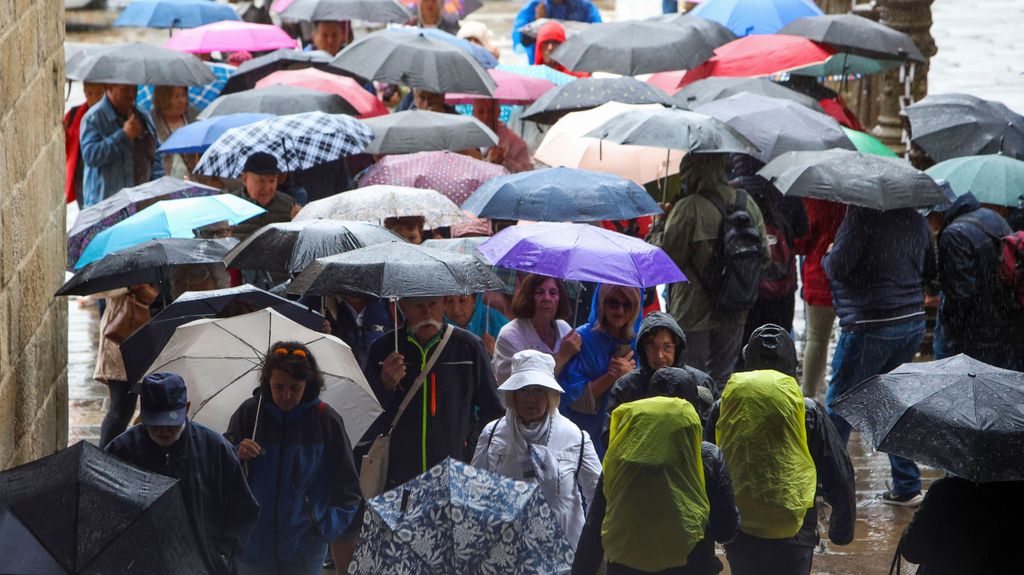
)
(285, 352)
(613, 303)
(666, 347)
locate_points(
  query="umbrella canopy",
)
(856, 35)
(416, 60)
(581, 252)
(714, 32)
(220, 361)
(420, 131)
(566, 144)
(634, 47)
(137, 63)
(337, 10)
(396, 270)
(145, 263)
(251, 71)
(168, 219)
(143, 346)
(993, 178)
(777, 126)
(587, 93)
(708, 90)
(528, 32)
(365, 103)
(81, 510)
(478, 52)
(513, 88)
(279, 101)
(196, 137)
(377, 203)
(174, 13)
(957, 414)
(868, 144)
(745, 17)
(454, 175)
(541, 72)
(199, 96)
(230, 37)
(470, 520)
(949, 126)
(297, 141)
(853, 178)
(676, 129)
(98, 217)
(289, 247)
(561, 195)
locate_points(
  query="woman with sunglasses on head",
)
(299, 466)
(606, 354)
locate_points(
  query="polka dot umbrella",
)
(454, 175)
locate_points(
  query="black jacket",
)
(220, 506)
(458, 398)
(723, 524)
(836, 481)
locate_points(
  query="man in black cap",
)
(221, 509)
(260, 178)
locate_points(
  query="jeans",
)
(820, 320)
(669, 6)
(305, 562)
(864, 354)
(120, 408)
(749, 555)
(714, 352)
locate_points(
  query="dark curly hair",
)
(302, 368)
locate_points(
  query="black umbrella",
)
(634, 47)
(137, 63)
(145, 263)
(587, 93)
(83, 511)
(142, 348)
(252, 71)
(710, 89)
(289, 247)
(852, 34)
(423, 131)
(957, 414)
(950, 126)
(714, 32)
(415, 60)
(675, 129)
(366, 10)
(279, 100)
(854, 178)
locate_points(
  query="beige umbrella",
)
(379, 202)
(565, 145)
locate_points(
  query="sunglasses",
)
(613, 303)
(285, 352)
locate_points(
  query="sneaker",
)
(903, 500)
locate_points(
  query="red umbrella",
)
(351, 91)
(760, 55)
(669, 82)
(512, 89)
(454, 175)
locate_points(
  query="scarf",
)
(528, 455)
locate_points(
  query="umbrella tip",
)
(971, 374)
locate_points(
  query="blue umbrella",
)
(543, 72)
(482, 56)
(168, 219)
(561, 195)
(745, 17)
(195, 138)
(174, 13)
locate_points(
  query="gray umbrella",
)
(137, 63)
(853, 178)
(366, 10)
(528, 32)
(675, 129)
(252, 71)
(778, 126)
(422, 131)
(587, 93)
(413, 59)
(634, 47)
(279, 100)
(710, 89)
(950, 126)
(714, 32)
(856, 35)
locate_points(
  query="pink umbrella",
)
(230, 36)
(454, 175)
(364, 102)
(512, 89)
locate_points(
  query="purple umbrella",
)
(581, 252)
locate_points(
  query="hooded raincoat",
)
(485, 319)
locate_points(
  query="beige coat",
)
(109, 364)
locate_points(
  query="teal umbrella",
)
(868, 144)
(992, 178)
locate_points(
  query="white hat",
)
(531, 367)
(476, 30)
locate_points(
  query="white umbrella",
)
(375, 203)
(220, 360)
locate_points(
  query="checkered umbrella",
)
(298, 141)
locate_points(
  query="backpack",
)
(779, 279)
(732, 277)
(1010, 271)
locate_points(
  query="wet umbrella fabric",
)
(251, 71)
(868, 144)
(587, 93)
(339, 10)
(709, 90)
(454, 175)
(137, 63)
(854, 34)
(396, 271)
(230, 37)
(512, 88)
(377, 203)
(949, 126)
(957, 414)
(365, 103)
(540, 72)
(456, 519)
(714, 32)
(847, 177)
(143, 346)
(561, 195)
(479, 53)
(83, 511)
(675, 129)
(174, 13)
(279, 101)
(634, 47)
(414, 131)
(196, 137)
(745, 17)
(992, 178)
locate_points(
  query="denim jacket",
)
(107, 153)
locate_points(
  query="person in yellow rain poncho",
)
(664, 499)
(779, 447)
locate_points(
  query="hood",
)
(770, 347)
(675, 382)
(744, 165)
(965, 204)
(549, 32)
(658, 320)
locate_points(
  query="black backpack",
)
(733, 275)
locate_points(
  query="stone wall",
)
(33, 325)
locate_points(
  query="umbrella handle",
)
(394, 300)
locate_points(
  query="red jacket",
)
(823, 219)
(72, 126)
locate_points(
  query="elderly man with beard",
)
(456, 398)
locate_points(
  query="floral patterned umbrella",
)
(454, 175)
